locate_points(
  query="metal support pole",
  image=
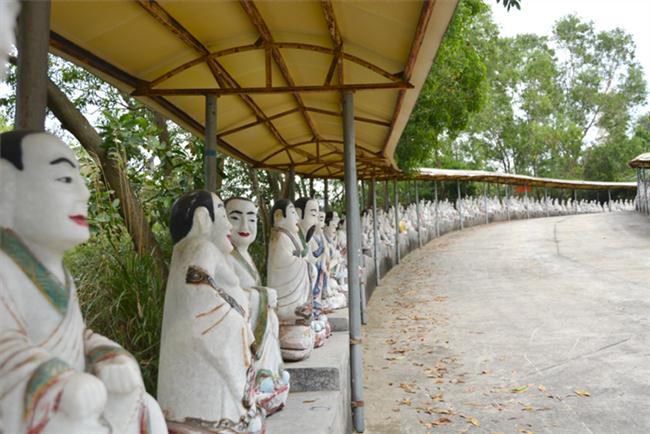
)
(546, 201)
(417, 212)
(363, 196)
(326, 195)
(609, 199)
(210, 162)
(396, 209)
(375, 233)
(575, 201)
(485, 203)
(435, 193)
(291, 184)
(354, 253)
(507, 204)
(460, 206)
(32, 41)
(526, 200)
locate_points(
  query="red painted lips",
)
(80, 220)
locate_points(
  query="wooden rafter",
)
(292, 89)
(222, 76)
(420, 30)
(258, 21)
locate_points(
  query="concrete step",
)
(327, 368)
(324, 412)
(339, 320)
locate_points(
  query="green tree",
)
(454, 88)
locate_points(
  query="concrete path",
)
(538, 326)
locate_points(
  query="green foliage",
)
(559, 106)
(455, 87)
(121, 296)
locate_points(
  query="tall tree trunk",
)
(274, 182)
(261, 203)
(114, 174)
(220, 165)
(289, 191)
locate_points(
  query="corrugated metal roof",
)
(506, 178)
(277, 68)
(641, 162)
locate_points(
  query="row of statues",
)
(225, 336)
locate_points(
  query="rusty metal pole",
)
(210, 158)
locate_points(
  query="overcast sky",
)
(538, 16)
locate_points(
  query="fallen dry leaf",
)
(309, 401)
(405, 401)
(520, 389)
(474, 421)
(407, 387)
(527, 408)
(541, 388)
(582, 393)
(441, 421)
(437, 398)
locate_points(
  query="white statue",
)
(271, 380)
(8, 13)
(289, 272)
(311, 238)
(206, 373)
(337, 286)
(56, 376)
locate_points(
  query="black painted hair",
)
(280, 204)
(11, 148)
(180, 222)
(301, 204)
(329, 215)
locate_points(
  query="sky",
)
(538, 16)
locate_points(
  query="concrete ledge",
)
(339, 320)
(314, 413)
(327, 368)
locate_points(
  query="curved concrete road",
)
(538, 326)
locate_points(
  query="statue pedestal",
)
(296, 341)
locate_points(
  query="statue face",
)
(309, 215)
(220, 233)
(51, 205)
(243, 217)
(321, 220)
(334, 222)
(290, 222)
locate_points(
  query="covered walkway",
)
(528, 326)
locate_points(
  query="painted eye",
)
(65, 179)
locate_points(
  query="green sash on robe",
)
(47, 283)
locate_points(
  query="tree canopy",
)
(562, 105)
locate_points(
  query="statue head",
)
(307, 209)
(243, 217)
(42, 193)
(201, 214)
(283, 215)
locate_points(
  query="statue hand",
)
(120, 375)
(83, 396)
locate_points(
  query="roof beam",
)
(258, 21)
(293, 89)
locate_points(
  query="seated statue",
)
(206, 372)
(271, 380)
(289, 272)
(56, 376)
(337, 287)
(312, 239)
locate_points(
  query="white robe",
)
(288, 274)
(205, 371)
(42, 343)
